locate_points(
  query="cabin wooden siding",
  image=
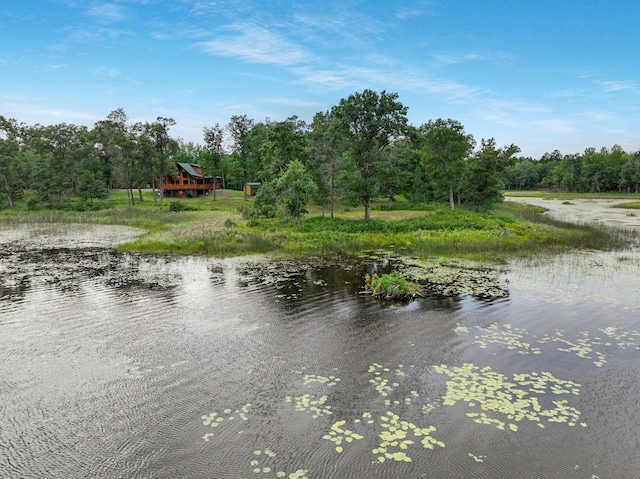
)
(250, 189)
(189, 183)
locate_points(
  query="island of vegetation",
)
(358, 179)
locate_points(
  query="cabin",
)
(251, 189)
(190, 182)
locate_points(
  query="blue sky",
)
(541, 74)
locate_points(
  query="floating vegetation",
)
(130, 366)
(452, 279)
(263, 463)
(308, 402)
(215, 419)
(506, 335)
(516, 400)
(477, 458)
(583, 346)
(328, 380)
(395, 438)
(338, 435)
(391, 287)
(384, 386)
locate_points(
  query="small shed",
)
(250, 189)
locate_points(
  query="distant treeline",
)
(361, 149)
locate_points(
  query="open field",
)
(217, 228)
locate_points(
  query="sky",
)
(544, 75)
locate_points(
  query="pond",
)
(129, 366)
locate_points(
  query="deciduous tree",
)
(369, 123)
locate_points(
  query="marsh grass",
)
(633, 205)
(217, 228)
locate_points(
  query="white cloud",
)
(107, 12)
(255, 44)
(110, 72)
(455, 59)
(611, 86)
(419, 10)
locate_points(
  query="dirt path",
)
(587, 211)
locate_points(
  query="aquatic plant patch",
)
(517, 399)
(506, 335)
(583, 345)
(264, 464)
(215, 419)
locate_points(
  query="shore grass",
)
(217, 228)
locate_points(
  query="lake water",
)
(129, 366)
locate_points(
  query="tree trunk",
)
(332, 190)
(140, 194)
(452, 202)
(8, 191)
(367, 210)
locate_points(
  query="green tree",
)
(212, 161)
(239, 128)
(485, 171)
(12, 166)
(368, 124)
(446, 146)
(294, 188)
(164, 146)
(325, 157)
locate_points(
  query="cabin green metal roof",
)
(189, 168)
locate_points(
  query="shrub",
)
(176, 206)
(391, 286)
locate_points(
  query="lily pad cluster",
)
(451, 279)
(397, 437)
(503, 402)
(506, 335)
(215, 419)
(582, 345)
(383, 384)
(338, 435)
(263, 464)
(308, 402)
(130, 366)
(328, 380)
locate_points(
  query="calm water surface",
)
(127, 366)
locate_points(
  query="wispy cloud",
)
(611, 86)
(110, 72)
(455, 59)
(362, 77)
(294, 102)
(256, 44)
(107, 12)
(419, 10)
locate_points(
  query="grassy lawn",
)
(218, 228)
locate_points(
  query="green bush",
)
(391, 286)
(177, 206)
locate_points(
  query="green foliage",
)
(483, 185)
(446, 146)
(391, 286)
(177, 206)
(368, 123)
(264, 204)
(294, 188)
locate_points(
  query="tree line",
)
(358, 151)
